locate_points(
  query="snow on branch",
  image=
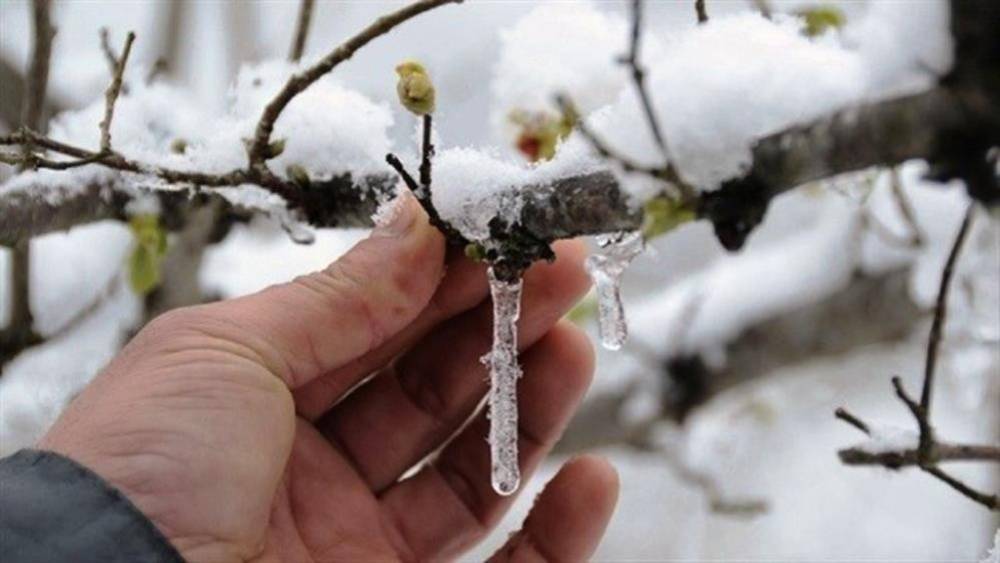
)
(888, 132)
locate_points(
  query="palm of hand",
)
(239, 430)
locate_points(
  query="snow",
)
(720, 86)
(993, 556)
(884, 438)
(704, 311)
(472, 186)
(606, 268)
(505, 474)
(560, 47)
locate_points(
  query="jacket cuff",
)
(54, 509)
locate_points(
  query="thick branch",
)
(887, 133)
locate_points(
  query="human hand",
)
(247, 430)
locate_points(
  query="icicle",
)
(504, 373)
(297, 231)
(606, 268)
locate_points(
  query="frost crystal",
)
(606, 269)
(504, 373)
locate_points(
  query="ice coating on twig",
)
(504, 373)
(606, 268)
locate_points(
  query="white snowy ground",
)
(716, 89)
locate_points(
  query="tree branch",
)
(301, 30)
(909, 457)
(886, 132)
(929, 450)
(114, 89)
(699, 8)
(257, 153)
(19, 333)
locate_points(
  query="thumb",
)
(321, 321)
(568, 519)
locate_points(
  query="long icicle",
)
(504, 373)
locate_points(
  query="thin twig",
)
(301, 30)
(38, 71)
(941, 311)
(905, 207)
(846, 416)
(638, 73)
(426, 154)
(699, 8)
(943, 451)
(109, 52)
(111, 95)
(257, 153)
(989, 501)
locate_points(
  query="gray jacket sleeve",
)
(53, 509)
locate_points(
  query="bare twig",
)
(301, 30)
(943, 451)
(20, 331)
(905, 208)
(257, 153)
(38, 70)
(941, 311)
(111, 95)
(638, 73)
(109, 52)
(699, 8)
(426, 154)
(990, 501)
(929, 450)
(846, 416)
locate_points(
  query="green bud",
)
(178, 146)
(818, 19)
(297, 174)
(475, 251)
(662, 215)
(275, 149)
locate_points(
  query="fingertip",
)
(601, 479)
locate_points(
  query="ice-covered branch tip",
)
(257, 153)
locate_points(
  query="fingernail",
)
(395, 218)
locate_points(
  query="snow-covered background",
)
(716, 88)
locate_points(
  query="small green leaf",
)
(143, 270)
(146, 260)
(662, 215)
(475, 252)
(819, 19)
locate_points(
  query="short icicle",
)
(606, 269)
(504, 373)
